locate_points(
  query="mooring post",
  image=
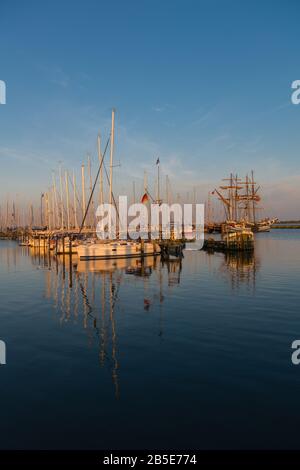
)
(142, 266)
(70, 262)
(34, 246)
(49, 257)
(56, 255)
(64, 259)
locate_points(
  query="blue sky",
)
(204, 85)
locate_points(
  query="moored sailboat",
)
(117, 249)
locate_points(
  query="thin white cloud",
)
(56, 75)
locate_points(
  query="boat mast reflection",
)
(241, 268)
(90, 290)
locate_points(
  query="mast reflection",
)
(241, 268)
(93, 296)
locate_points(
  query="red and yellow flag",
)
(145, 198)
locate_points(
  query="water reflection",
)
(189, 336)
(174, 267)
(240, 268)
(88, 292)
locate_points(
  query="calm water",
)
(157, 356)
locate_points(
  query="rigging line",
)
(113, 197)
(96, 179)
(147, 192)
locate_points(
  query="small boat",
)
(264, 225)
(117, 249)
(261, 227)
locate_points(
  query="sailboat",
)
(116, 249)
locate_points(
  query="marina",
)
(149, 233)
(69, 233)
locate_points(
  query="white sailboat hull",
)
(263, 228)
(117, 250)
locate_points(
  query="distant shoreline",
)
(286, 226)
(288, 222)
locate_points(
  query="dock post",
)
(56, 255)
(70, 262)
(39, 247)
(49, 257)
(64, 259)
(142, 247)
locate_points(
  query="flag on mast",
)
(157, 162)
(145, 198)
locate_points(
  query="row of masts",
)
(70, 202)
(64, 204)
(61, 212)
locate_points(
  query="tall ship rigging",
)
(240, 199)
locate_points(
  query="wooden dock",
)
(171, 248)
(221, 245)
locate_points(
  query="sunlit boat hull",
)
(262, 228)
(117, 250)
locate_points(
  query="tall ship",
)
(241, 198)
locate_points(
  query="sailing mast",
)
(236, 198)
(41, 209)
(247, 199)
(158, 182)
(56, 202)
(67, 194)
(61, 198)
(101, 170)
(253, 196)
(91, 187)
(112, 140)
(74, 201)
(47, 211)
(83, 191)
